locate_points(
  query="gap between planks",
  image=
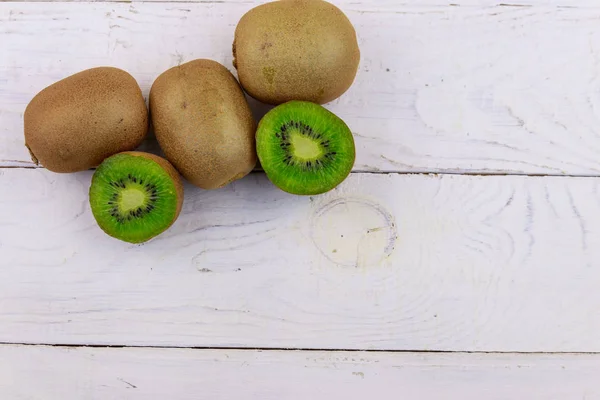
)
(305, 349)
(23, 165)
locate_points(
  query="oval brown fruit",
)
(74, 124)
(203, 123)
(296, 50)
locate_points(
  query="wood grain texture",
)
(152, 374)
(485, 88)
(386, 261)
(380, 5)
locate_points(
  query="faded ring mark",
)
(354, 232)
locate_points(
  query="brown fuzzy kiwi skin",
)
(203, 123)
(77, 122)
(168, 167)
(296, 50)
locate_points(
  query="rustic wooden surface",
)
(254, 293)
(387, 261)
(441, 88)
(185, 374)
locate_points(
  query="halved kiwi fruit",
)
(135, 196)
(304, 148)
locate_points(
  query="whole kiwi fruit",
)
(203, 123)
(77, 122)
(295, 50)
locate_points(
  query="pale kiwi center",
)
(132, 198)
(305, 148)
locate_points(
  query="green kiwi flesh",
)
(304, 148)
(135, 198)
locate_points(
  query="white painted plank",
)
(387, 261)
(441, 88)
(381, 5)
(182, 374)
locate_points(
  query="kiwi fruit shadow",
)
(151, 145)
(258, 111)
(254, 185)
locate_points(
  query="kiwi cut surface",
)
(304, 148)
(135, 196)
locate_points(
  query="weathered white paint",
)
(152, 374)
(384, 5)
(387, 261)
(480, 87)
(384, 262)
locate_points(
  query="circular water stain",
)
(354, 232)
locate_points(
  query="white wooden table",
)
(460, 260)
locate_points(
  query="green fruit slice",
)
(304, 148)
(133, 198)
